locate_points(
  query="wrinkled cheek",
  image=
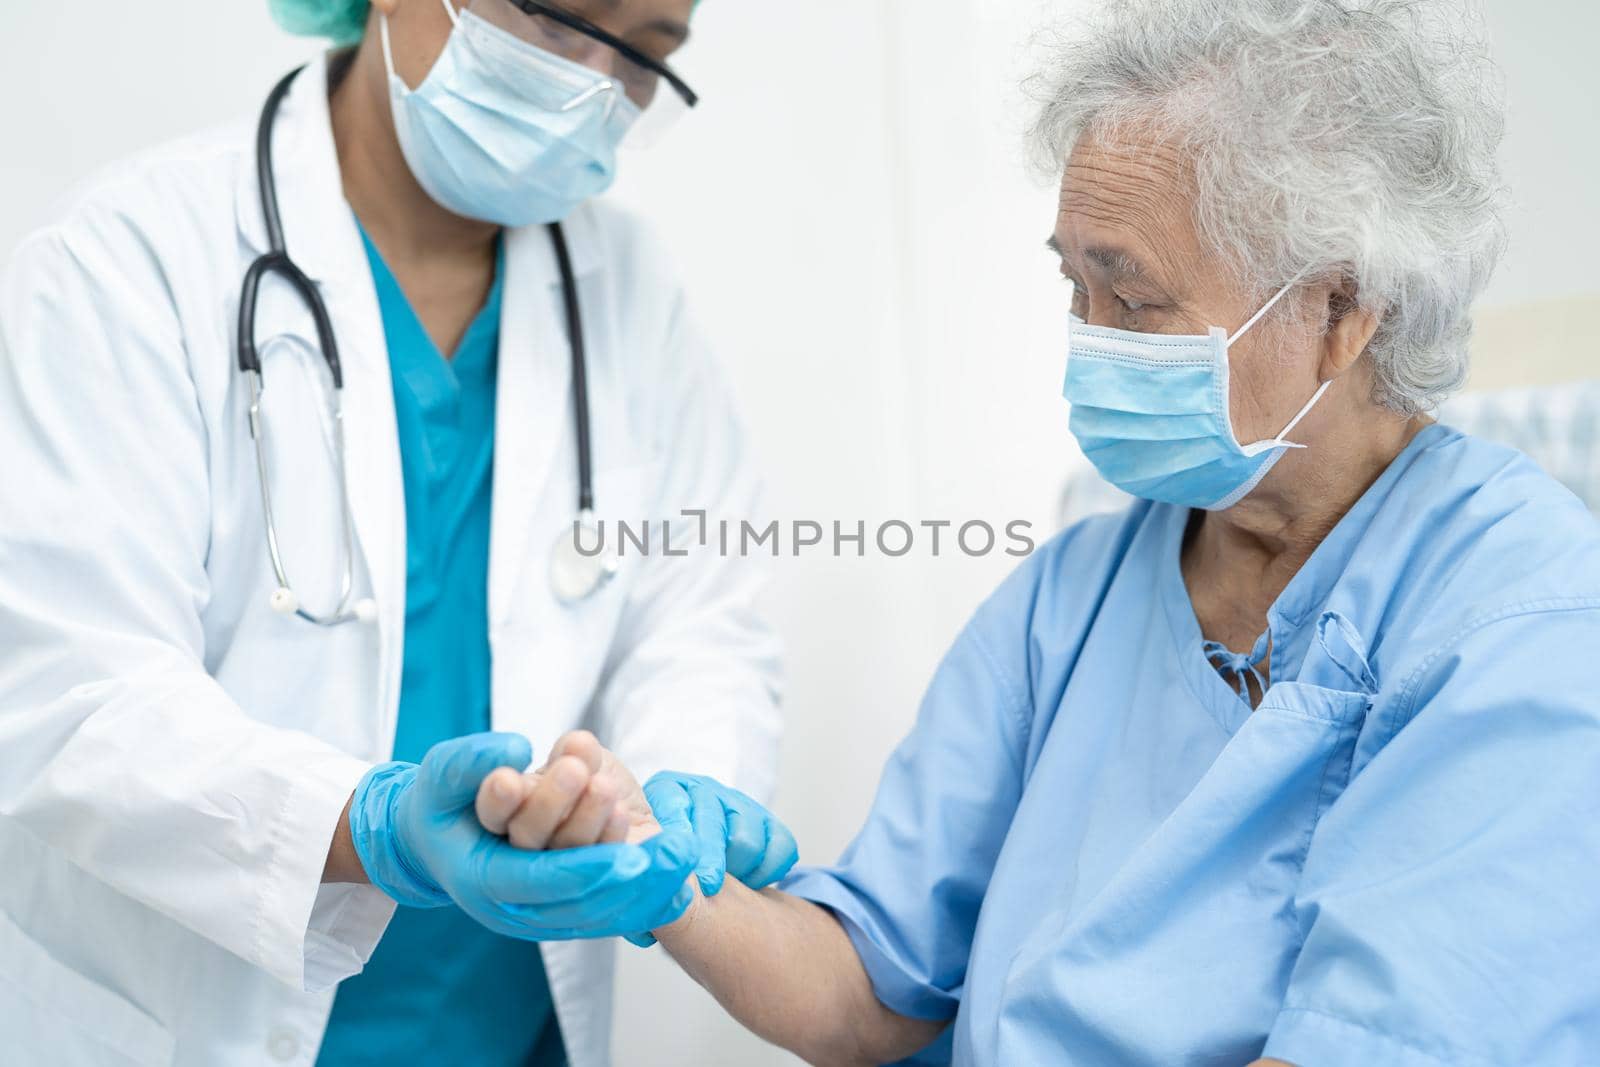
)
(1264, 388)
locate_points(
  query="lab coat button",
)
(283, 1045)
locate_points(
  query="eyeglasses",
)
(560, 32)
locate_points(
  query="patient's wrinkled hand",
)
(582, 796)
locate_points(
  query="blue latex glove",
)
(736, 835)
(418, 836)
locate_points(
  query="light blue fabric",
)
(1151, 412)
(441, 988)
(505, 131)
(1091, 851)
(737, 835)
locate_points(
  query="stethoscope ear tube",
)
(266, 177)
(580, 367)
(280, 264)
(576, 575)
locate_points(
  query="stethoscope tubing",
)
(276, 261)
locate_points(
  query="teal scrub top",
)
(440, 988)
(1091, 850)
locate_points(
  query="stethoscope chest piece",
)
(580, 562)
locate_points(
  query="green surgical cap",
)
(341, 20)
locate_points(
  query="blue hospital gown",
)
(1090, 850)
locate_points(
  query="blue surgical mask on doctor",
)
(505, 131)
(1150, 411)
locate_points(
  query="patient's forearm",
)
(784, 968)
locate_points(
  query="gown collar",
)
(1300, 602)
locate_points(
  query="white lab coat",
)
(174, 756)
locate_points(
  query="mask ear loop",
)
(1278, 441)
(1316, 396)
(388, 53)
(383, 35)
(1240, 332)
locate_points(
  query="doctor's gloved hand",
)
(419, 838)
(584, 794)
(737, 836)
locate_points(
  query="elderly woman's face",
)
(1127, 239)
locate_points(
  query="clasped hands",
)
(575, 849)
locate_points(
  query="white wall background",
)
(851, 207)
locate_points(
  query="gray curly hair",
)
(1336, 138)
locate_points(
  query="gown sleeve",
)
(1449, 905)
(909, 887)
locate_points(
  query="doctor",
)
(267, 545)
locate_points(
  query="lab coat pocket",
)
(49, 1013)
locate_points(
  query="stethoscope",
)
(575, 574)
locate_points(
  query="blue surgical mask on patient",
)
(1150, 411)
(504, 131)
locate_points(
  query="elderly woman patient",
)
(1298, 759)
